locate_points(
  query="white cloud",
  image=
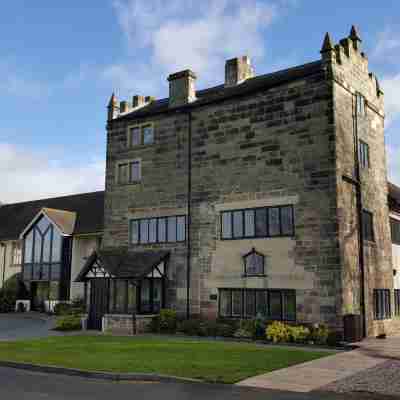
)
(387, 46)
(391, 89)
(394, 164)
(165, 37)
(28, 175)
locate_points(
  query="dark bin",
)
(352, 328)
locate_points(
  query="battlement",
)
(347, 54)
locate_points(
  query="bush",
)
(225, 329)
(334, 338)
(68, 323)
(298, 334)
(247, 329)
(277, 332)
(154, 326)
(319, 334)
(63, 309)
(191, 327)
(12, 290)
(167, 321)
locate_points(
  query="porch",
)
(124, 289)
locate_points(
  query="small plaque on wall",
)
(213, 297)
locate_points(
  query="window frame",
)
(382, 297)
(361, 105)
(250, 253)
(17, 247)
(283, 293)
(366, 236)
(166, 224)
(267, 230)
(364, 154)
(128, 163)
(395, 235)
(396, 293)
(141, 127)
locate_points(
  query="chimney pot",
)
(123, 106)
(237, 70)
(182, 88)
(138, 101)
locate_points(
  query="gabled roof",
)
(219, 93)
(394, 197)
(121, 263)
(64, 220)
(89, 209)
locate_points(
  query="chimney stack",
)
(138, 101)
(237, 70)
(113, 108)
(182, 88)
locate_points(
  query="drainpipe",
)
(3, 246)
(360, 224)
(189, 216)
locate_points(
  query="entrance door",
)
(98, 303)
(39, 293)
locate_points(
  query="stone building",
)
(264, 195)
(252, 194)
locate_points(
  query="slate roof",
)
(219, 93)
(124, 264)
(394, 197)
(89, 209)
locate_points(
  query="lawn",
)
(211, 361)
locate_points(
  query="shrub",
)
(247, 329)
(63, 309)
(334, 338)
(167, 321)
(277, 332)
(12, 290)
(191, 327)
(210, 328)
(225, 329)
(298, 334)
(68, 323)
(154, 326)
(319, 334)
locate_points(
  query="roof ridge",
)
(51, 198)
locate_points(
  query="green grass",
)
(207, 360)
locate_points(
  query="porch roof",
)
(123, 264)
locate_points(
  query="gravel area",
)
(383, 378)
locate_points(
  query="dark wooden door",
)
(98, 303)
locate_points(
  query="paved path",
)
(315, 374)
(21, 385)
(24, 326)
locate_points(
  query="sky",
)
(60, 62)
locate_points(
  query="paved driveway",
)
(19, 385)
(24, 326)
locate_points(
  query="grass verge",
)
(210, 361)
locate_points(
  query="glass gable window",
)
(158, 230)
(42, 252)
(257, 223)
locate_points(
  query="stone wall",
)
(348, 69)
(124, 324)
(287, 144)
(271, 147)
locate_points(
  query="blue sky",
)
(60, 61)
